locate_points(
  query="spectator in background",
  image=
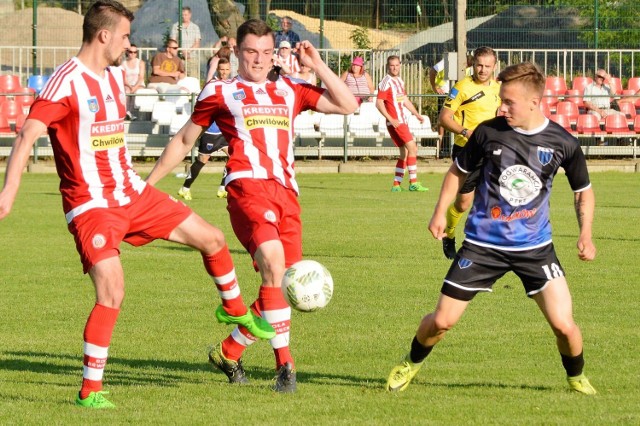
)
(440, 85)
(223, 52)
(211, 141)
(306, 75)
(134, 70)
(597, 95)
(287, 34)
(167, 67)
(391, 101)
(358, 80)
(287, 62)
(190, 40)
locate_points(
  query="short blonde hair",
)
(526, 73)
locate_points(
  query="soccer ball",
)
(307, 286)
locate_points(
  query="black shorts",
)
(476, 269)
(210, 143)
(471, 182)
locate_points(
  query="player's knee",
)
(565, 329)
(437, 324)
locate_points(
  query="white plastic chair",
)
(421, 130)
(360, 127)
(332, 125)
(145, 99)
(190, 84)
(304, 126)
(177, 122)
(162, 114)
(369, 110)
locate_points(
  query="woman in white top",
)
(134, 69)
(306, 74)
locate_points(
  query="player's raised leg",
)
(197, 233)
(555, 303)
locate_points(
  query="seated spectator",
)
(167, 68)
(597, 95)
(287, 61)
(134, 69)
(306, 74)
(358, 80)
(287, 34)
(223, 52)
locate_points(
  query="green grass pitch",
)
(499, 365)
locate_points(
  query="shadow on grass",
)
(164, 373)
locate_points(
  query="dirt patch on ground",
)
(338, 33)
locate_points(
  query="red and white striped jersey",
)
(391, 90)
(292, 62)
(257, 121)
(84, 113)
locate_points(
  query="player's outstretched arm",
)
(585, 202)
(338, 99)
(17, 161)
(175, 151)
(450, 187)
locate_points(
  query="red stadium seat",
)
(28, 98)
(636, 124)
(616, 85)
(562, 120)
(557, 84)
(617, 123)
(546, 110)
(550, 98)
(628, 109)
(588, 124)
(9, 83)
(10, 110)
(575, 96)
(569, 109)
(634, 84)
(580, 82)
(20, 121)
(5, 127)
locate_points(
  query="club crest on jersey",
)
(464, 263)
(239, 95)
(545, 155)
(93, 104)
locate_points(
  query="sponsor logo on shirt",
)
(497, 214)
(108, 98)
(107, 134)
(519, 185)
(93, 104)
(275, 116)
(260, 91)
(270, 216)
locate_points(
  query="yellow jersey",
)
(472, 103)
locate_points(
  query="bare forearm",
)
(584, 203)
(175, 152)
